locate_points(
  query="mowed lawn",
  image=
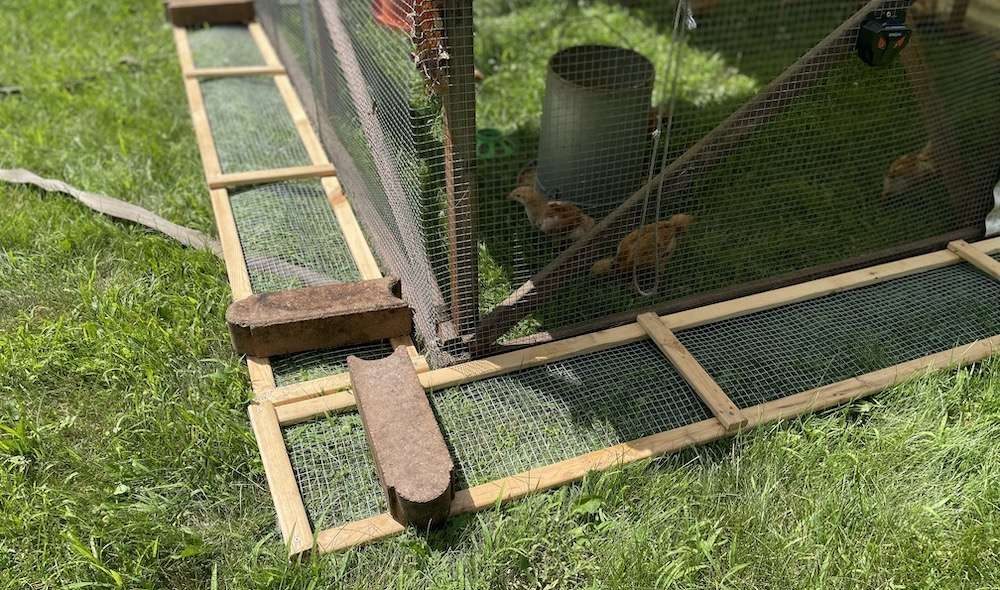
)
(126, 458)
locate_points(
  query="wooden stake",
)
(292, 519)
(458, 102)
(697, 377)
(976, 258)
(265, 176)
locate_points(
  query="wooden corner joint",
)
(728, 414)
(976, 257)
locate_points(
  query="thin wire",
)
(672, 72)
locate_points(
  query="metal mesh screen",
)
(295, 368)
(753, 145)
(290, 236)
(770, 354)
(223, 46)
(505, 425)
(251, 126)
(334, 470)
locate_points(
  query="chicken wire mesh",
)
(223, 47)
(290, 236)
(506, 187)
(313, 364)
(504, 425)
(251, 126)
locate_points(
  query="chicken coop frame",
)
(276, 408)
(712, 149)
(447, 306)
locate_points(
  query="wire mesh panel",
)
(334, 470)
(770, 354)
(636, 153)
(508, 424)
(290, 236)
(503, 426)
(303, 366)
(251, 126)
(223, 47)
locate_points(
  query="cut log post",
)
(191, 13)
(709, 151)
(325, 316)
(411, 457)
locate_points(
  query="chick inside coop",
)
(771, 145)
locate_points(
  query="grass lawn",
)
(126, 458)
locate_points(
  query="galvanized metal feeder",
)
(595, 125)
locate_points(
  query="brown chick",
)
(556, 218)
(907, 172)
(639, 248)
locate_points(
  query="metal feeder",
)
(595, 126)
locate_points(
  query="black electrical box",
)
(881, 37)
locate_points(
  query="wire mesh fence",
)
(504, 425)
(313, 364)
(223, 47)
(536, 164)
(251, 126)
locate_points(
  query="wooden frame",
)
(488, 495)
(723, 408)
(261, 375)
(252, 177)
(267, 418)
(525, 358)
(234, 72)
(976, 257)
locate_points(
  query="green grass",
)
(126, 459)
